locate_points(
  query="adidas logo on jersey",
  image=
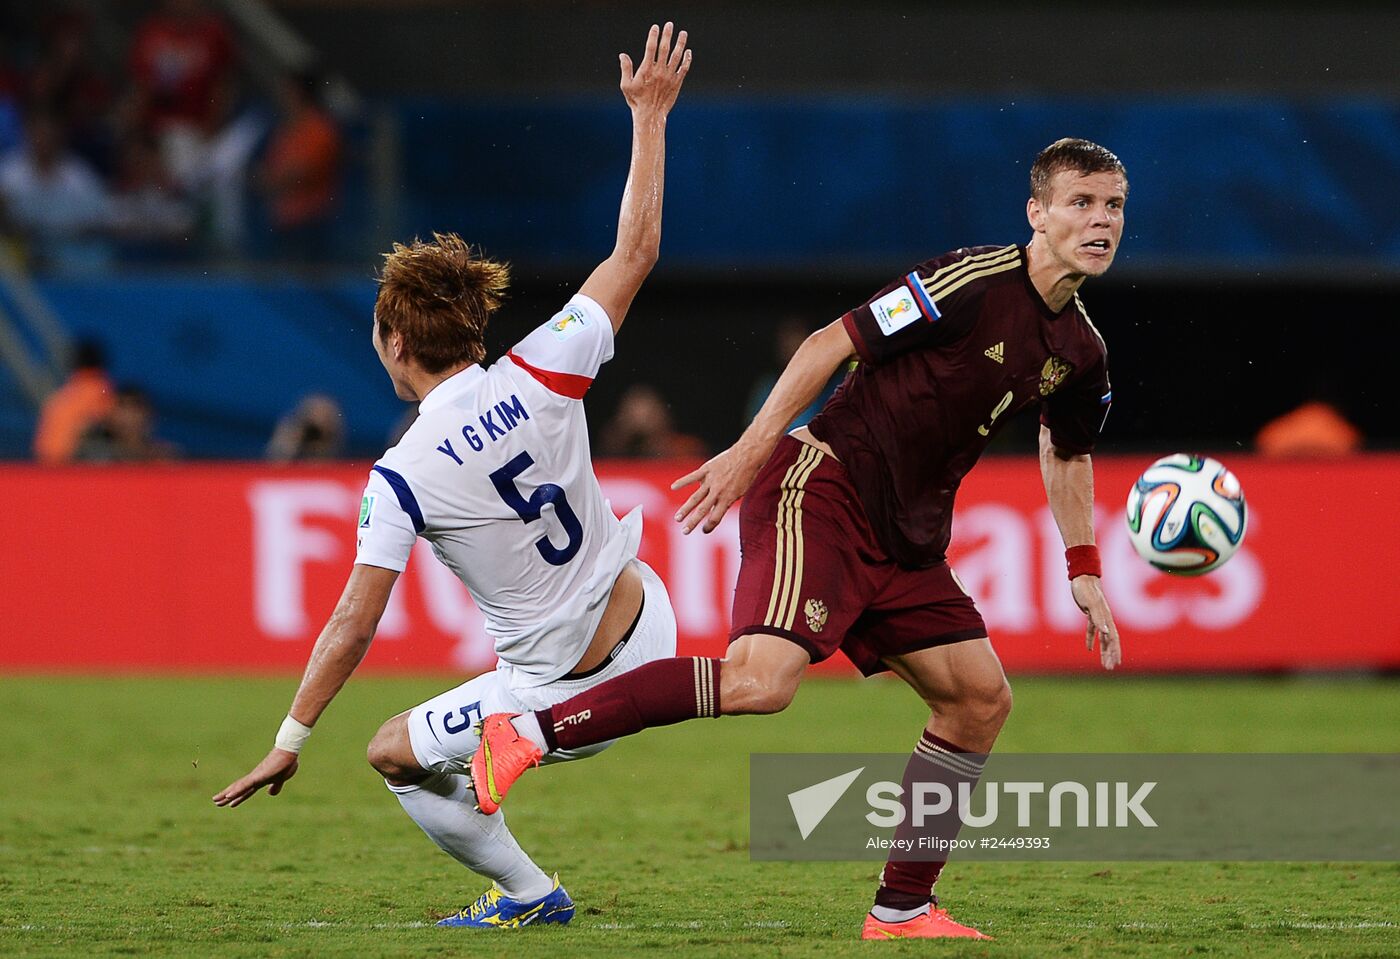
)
(995, 353)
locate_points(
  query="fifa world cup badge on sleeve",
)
(896, 310)
(567, 323)
(367, 510)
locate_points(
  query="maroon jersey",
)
(950, 352)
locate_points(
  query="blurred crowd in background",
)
(159, 150)
(91, 419)
(169, 169)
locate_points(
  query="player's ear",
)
(1036, 215)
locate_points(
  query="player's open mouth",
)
(1096, 246)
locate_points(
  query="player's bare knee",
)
(988, 706)
(386, 753)
(751, 691)
(983, 707)
(1001, 702)
(773, 699)
(761, 674)
(379, 756)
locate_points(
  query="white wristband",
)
(292, 736)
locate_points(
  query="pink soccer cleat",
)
(934, 924)
(499, 761)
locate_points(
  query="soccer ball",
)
(1186, 514)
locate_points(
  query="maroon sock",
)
(907, 881)
(659, 693)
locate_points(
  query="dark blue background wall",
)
(223, 358)
(1241, 185)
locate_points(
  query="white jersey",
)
(495, 473)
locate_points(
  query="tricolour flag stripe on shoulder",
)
(929, 309)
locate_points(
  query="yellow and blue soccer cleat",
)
(495, 911)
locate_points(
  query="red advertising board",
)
(223, 567)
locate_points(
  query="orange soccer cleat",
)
(934, 924)
(500, 759)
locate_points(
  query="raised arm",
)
(1069, 488)
(727, 477)
(342, 644)
(651, 91)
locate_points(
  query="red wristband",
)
(1083, 561)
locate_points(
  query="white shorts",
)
(442, 731)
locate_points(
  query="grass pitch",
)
(109, 844)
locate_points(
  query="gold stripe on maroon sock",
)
(695, 666)
(956, 761)
(953, 760)
(941, 760)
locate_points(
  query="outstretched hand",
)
(656, 82)
(1088, 594)
(274, 771)
(722, 480)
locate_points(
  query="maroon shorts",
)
(813, 573)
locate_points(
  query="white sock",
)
(527, 725)
(886, 914)
(444, 807)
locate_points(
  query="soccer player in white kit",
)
(495, 474)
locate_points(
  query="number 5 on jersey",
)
(529, 510)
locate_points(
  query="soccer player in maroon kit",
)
(845, 529)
